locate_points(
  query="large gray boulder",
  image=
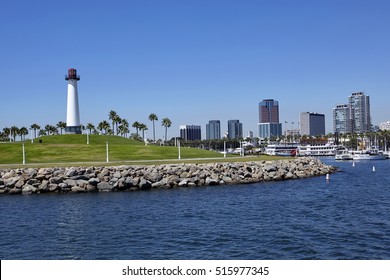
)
(153, 176)
(105, 187)
(144, 184)
(28, 189)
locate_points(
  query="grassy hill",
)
(74, 148)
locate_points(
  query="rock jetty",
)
(135, 178)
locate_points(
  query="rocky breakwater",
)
(134, 178)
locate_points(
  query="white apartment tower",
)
(342, 119)
(360, 114)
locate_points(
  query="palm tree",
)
(48, 129)
(61, 125)
(90, 127)
(113, 116)
(35, 127)
(136, 125)
(42, 132)
(104, 125)
(153, 117)
(14, 131)
(124, 127)
(143, 127)
(23, 132)
(166, 123)
(118, 121)
(6, 133)
(51, 130)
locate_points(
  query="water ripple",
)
(346, 218)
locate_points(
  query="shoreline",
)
(146, 177)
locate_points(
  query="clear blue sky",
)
(192, 60)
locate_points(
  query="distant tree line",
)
(114, 126)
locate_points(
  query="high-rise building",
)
(269, 125)
(359, 104)
(213, 130)
(312, 124)
(342, 119)
(234, 129)
(269, 111)
(190, 132)
(269, 130)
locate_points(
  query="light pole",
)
(87, 138)
(224, 148)
(31, 135)
(285, 131)
(178, 145)
(24, 154)
(106, 151)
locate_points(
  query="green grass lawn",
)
(62, 149)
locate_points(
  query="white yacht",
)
(343, 154)
(371, 154)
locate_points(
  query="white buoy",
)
(373, 169)
(327, 177)
(353, 164)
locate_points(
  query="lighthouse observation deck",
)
(72, 75)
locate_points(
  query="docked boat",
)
(372, 154)
(343, 154)
(288, 149)
(328, 149)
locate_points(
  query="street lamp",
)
(31, 135)
(242, 153)
(178, 146)
(24, 154)
(106, 151)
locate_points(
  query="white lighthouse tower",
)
(73, 125)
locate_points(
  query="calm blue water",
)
(346, 218)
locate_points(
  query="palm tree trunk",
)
(154, 133)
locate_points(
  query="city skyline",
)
(221, 58)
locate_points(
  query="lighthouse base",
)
(73, 130)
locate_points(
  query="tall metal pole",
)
(224, 148)
(106, 151)
(87, 138)
(24, 154)
(178, 145)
